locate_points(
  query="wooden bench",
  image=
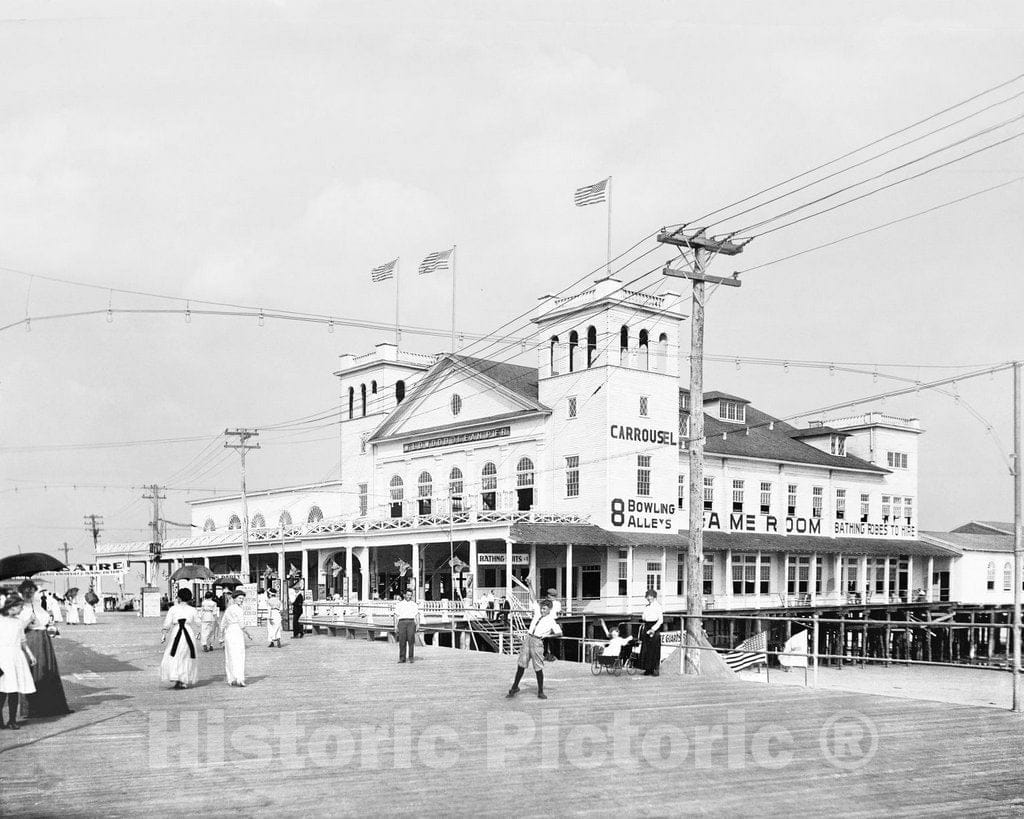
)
(349, 627)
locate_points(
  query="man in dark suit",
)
(297, 628)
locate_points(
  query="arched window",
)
(645, 355)
(663, 353)
(574, 342)
(554, 355)
(591, 346)
(397, 490)
(285, 519)
(455, 488)
(362, 393)
(234, 522)
(990, 576)
(399, 391)
(624, 346)
(1007, 577)
(258, 522)
(351, 402)
(209, 526)
(524, 484)
(489, 487)
(315, 515)
(426, 490)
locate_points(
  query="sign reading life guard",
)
(642, 478)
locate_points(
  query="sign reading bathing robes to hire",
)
(642, 484)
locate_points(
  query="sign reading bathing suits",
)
(498, 558)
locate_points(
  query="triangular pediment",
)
(459, 392)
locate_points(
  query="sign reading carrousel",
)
(643, 483)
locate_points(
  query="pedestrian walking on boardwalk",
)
(407, 616)
(179, 661)
(16, 660)
(49, 699)
(208, 615)
(233, 635)
(72, 612)
(297, 601)
(542, 625)
(650, 635)
(274, 620)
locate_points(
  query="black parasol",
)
(192, 571)
(28, 564)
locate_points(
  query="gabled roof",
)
(986, 527)
(520, 383)
(971, 542)
(715, 395)
(765, 437)
(818, 432)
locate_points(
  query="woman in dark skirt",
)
(49, 699)
(650, 635)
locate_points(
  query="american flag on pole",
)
(384, 272)
(591, 194)
(752, 651)
(436, 261)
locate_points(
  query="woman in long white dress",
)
(233, 635)
(15, 657)
(53, 606)
(72, 611)
(274, 620)
(208, 615)
(179, 662)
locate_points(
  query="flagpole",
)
(453, 298)
(398, 265)
(609, 226)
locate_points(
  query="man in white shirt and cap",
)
(407, 615)
(556, 609)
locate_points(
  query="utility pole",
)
(93, 524)
(67, 581)
(155, 544)
(241, 437)
(703, 247)
(1018, 536)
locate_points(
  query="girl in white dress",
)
(72, 612)
(15, 660)
(88, 612)
(274, 621)
(179, 662)
(233, 635)
(53, 606)
(208, 615)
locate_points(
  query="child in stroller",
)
(615, 656)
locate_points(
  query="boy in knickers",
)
(542, 625)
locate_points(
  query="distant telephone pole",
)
(65, 548)
(155, 544)
(702, 247)
(92, 525)
(240, 442)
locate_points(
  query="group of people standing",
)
(28, 664)
(227, 624)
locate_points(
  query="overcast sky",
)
(270, 154)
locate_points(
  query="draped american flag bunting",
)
(591, 194)
(752, 651)
(436, 261)
(384, 272)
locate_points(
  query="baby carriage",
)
(628, 660)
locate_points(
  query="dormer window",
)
(731, 410)
(838, 445)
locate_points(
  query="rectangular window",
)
(362, 443)
(791, 499)
(363, 500)
(817, 575)
(682, 492)
(766, 498)
(731, 410)
(897, 460)
(623, 572)
(745, 579)
(644, 405)
(886, 508)
(708, 572)
(852, 570)
(865, 507)
(684, 430)
(572, 476)
(817, 495)
(838, 444)
(840, 504)
(737, 496)
(897, 509)
(643, 475)
(908, 510)
(709, 493)
(572, 406)
(654, 576)
(798, 576)
(681, 575)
